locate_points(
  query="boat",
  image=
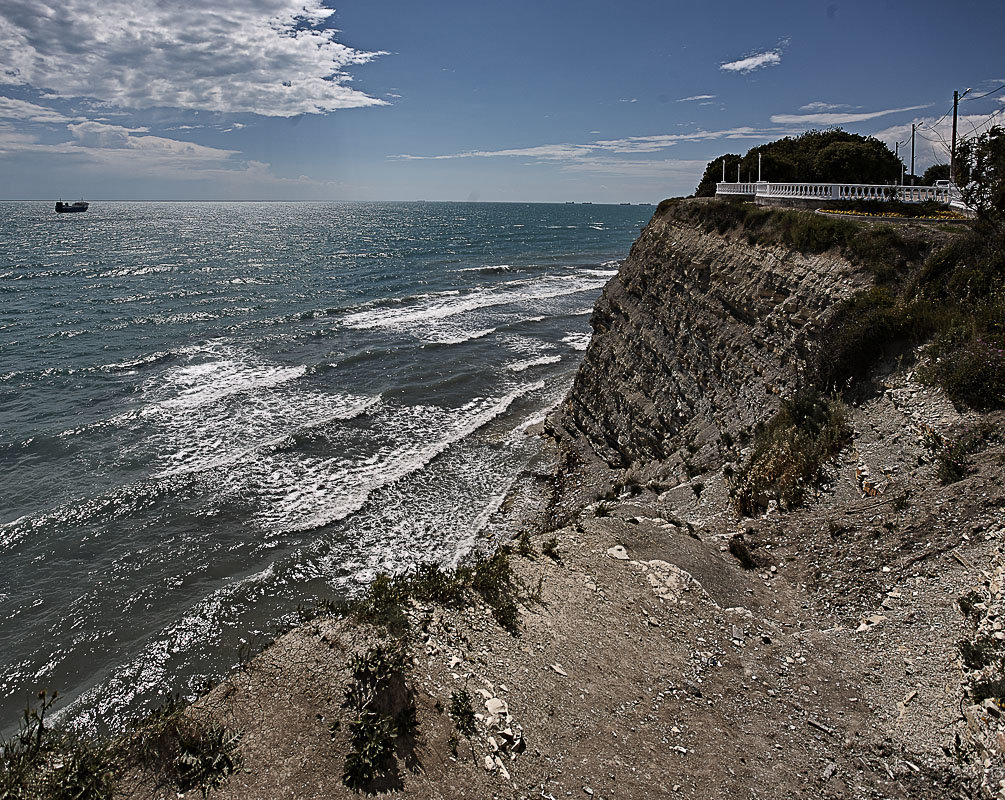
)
(71, 208)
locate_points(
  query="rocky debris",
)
(981, 740)
(677, 650)
(618, 552)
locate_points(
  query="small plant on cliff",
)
(790, 452)
(182, 751)
(952, 456)
(462, 712)
(40, 761)
(384, 719)
(491, 578)
(524, 545)
(550, 548)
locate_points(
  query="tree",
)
(713, 174)
(853, 162)
(936, 172)
(831, 156)
(980, 174)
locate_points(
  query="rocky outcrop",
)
(696, 338)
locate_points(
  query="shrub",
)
(384, 717)
(181, 751)
(462, 712)
(974, 374)
(790, 451)
(952, 457)
(550, 548)
(40, 761)
(491, 578)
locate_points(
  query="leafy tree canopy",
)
(936, 172)
(980, 174)
(816, 157)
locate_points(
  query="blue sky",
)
(518, 101)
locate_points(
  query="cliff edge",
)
(739, 583)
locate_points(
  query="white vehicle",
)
(943, 184)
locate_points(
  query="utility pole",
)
(737, 171)
(724, 169)
(952, 154)
(758, 167)
(912, 154)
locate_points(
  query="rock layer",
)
(696, 338)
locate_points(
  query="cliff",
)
(645, 639)
(695, 339)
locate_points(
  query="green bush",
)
(952, 456)
(790, 452)
(973, 373)
(180, 751)
(462, 712)
(491, 578)
(40, 761)
(384, 716)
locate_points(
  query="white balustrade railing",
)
(845, 191)
(735, 188)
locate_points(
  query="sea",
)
(213, 413)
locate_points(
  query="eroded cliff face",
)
(694, 341)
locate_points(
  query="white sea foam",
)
(307, 493)
(457, 337)
(520, 366)
(439, 309)
(577, 341)
(216, 413)
(486, 268)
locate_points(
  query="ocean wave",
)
(226, 371)
(143, 361)
(520, 366)
(577, 341)
(457, 337)
(432, 313)
(488, 268)
(308, 493)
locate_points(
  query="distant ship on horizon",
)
(71, 208)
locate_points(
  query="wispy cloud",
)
(660, 169)
(625, 145)
(628, 100)
(768, 58)
(838, 118)
(817, 106)
(933, 135)
(269, 57)
(23, 111)
(697, 97)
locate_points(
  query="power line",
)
(988, 94)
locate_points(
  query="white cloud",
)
(697, 97)
(628, 100)
(268, 57)
(837, 118)
(817, 105)
(23, 111)
(756, 61)
(664, 169)
(933, 136)
(626, 145)
(99, 136)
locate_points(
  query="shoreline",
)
(659, 633)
